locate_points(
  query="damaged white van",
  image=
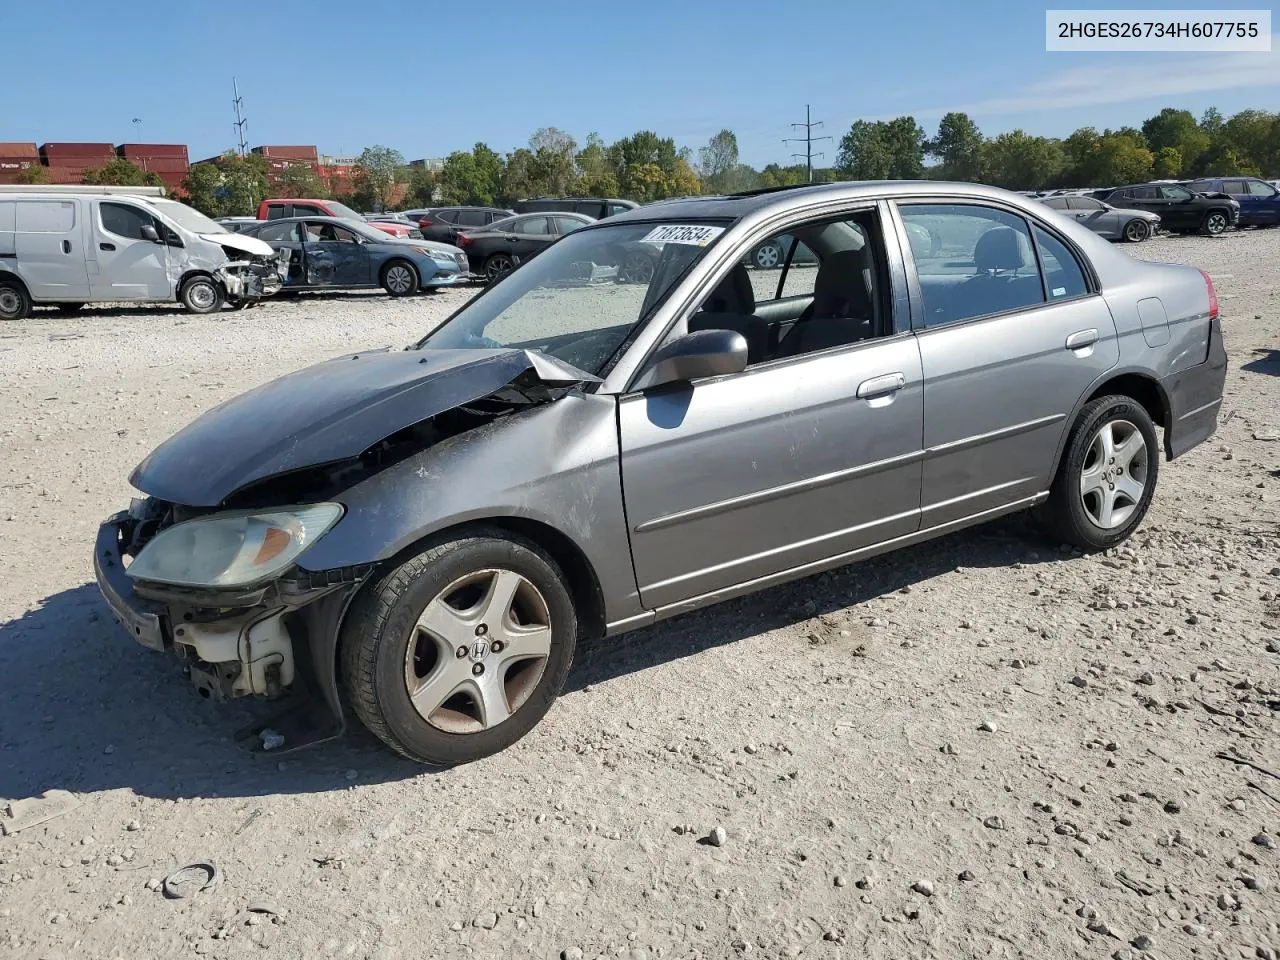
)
(69, 246)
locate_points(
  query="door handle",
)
(879, 386)
(1081, 339)
(106, 246)
(66, 246)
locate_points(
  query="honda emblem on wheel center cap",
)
(479, 649)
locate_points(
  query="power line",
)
(241, 120)
(808, 141)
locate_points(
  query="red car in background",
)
(279, 209)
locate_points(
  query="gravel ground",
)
(983, 746)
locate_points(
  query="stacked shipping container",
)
(16, 157)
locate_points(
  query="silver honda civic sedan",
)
(425, 534)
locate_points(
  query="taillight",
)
(1213, 295)
(424, 223)
(464, 240)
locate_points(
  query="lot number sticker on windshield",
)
(694, 236)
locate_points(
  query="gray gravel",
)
(876, 752)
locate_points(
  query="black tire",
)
(1066, 513)
(201, 294)
(767, 256)
(498, 266)
(1215, 222)
(67, 308)
(399, 278)
(15, 303)
(375, 639)
(1135, 231)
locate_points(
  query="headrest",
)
(734, 294)
(1000, 248)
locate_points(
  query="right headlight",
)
(237, 548)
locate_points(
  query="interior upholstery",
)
(998, 254)
(732, 306)
(843, 308)
(1000, 248)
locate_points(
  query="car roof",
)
(313, 218)
(782, 199)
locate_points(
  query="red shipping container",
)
(18, 163)
(287, 152)
(132, 151)
(77, 152)
(27, 151)
(160, 164)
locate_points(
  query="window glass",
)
(593, 210)
(617, 208)
(45, 216)
(277, 211)
(124, 220)
(329, 233)
(505, 226)
(448, 216)
(1062, 274)
(494, 216)
(279, 232)
(1056, 203)
(766, 260)
(1084, 203)
(1234, 187)
(1259, 189)
(980, 261)
(1175, 193)
(534, 225)
(471, 218)
(308, 210)
(568, 224)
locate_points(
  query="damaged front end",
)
(205, 566)
(249, 278)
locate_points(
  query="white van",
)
(69, 246)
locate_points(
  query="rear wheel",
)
(458, 652)
(1107, 476)
(201, 295)
(15, 304)
(498, 266)
(1215, 222)
(399, 278)
(1135, 231)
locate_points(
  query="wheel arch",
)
(191, 275)
(11, 276)
(1137, 384)
(392, 261)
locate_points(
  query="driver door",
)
(335, 256)
(126, 265)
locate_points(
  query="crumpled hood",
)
(331, 411)
(238, 241)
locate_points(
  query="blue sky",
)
(428, 78)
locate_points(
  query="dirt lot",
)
(981, 747)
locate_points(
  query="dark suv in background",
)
(1259, 201)
(443, 224)
(1179, 209)
(595, 207)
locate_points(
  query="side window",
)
(769, 257)
(1259, 189)
(1062, 274)
(567, 224)
(1083, 203)
(279, 232)
(448, 216)
(308, 210)
(980, 262)
(1057, 203)
(335, 234)
(1234, 187)
(593, 210)
(124, 220)
(1174, 193)
(533, 225)
(494, 217)
(278, 211)
(471, 218)
(46, 216)
(617, 208)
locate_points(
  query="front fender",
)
(556, 464)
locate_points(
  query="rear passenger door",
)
(48, 247)
(1263, 200)
(1012, 334)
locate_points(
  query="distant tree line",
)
(646, 167)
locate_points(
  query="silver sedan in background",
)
(1114, 223)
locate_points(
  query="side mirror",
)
(148, 232)
(704, 353)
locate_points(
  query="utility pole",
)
(238, 103)
(808, 140)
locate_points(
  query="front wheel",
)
(457, 653)
(1135, 231)
(1215, 222)
(399, 279)
(201, 295)
(1107, 476)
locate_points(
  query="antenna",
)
(238, 103)
(807, 140)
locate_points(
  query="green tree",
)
(958, 147)
(1176, 129)
(473, 177)
(553, 154)
(1168, 163)
(1211, 122)
(376, 171)
(230, 186)
(1019, 161)
(634, 159)
(1253, 137)
(774, 175)
(120, 172)
(718, 163)
(300, 180)
(202, 183)
(36, 173)
(882, 150)
(422, 187)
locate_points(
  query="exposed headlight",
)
(237, 548)
(440, 256)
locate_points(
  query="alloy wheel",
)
(1114, 477)
(1215, 224)
(399, 279)
(767, 256)
(477, 651)
(496, 266)
(1136, 231)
